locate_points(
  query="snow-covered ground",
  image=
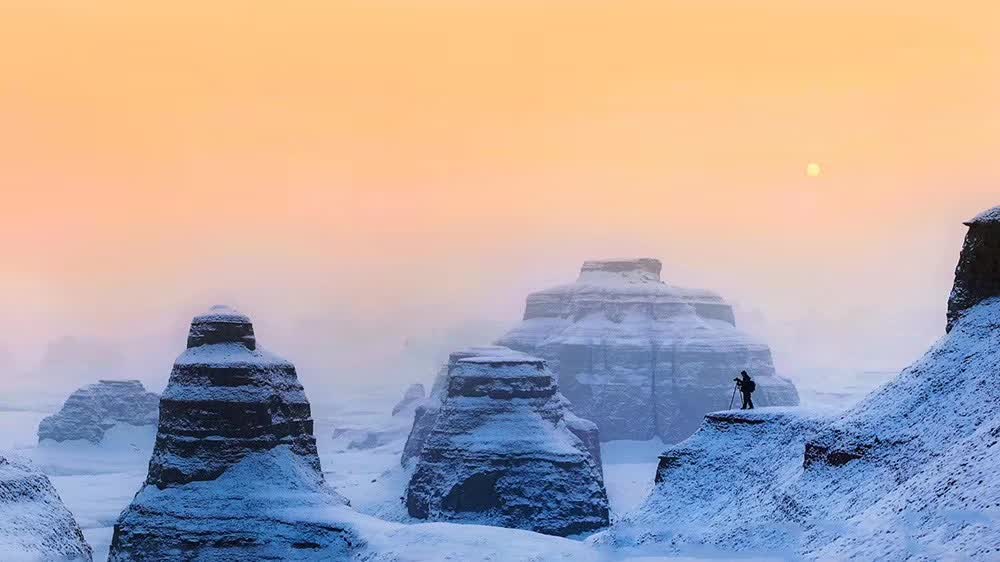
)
(96, 482)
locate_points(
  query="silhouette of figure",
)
(746, 386)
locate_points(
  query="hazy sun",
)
(812, 169)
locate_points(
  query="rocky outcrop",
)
(500, 452)
(426, 413)
(641, 358)
(96, 408)
(34, 523)
(234, 473)
(977, 275)
(909, 473)
(411, 398)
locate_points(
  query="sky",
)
(376, 181)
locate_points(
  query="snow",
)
(97, 482)
(230, 354)
(910, 472)
(987, 216)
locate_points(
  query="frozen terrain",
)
(96, 482)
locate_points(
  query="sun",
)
(813, 170)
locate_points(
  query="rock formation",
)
(95, 408)
(34, 523)
(641, 358)
(500, 452)
(426, 413)
(234, 473)
(977, 276)
(411, 399)
(909, 473)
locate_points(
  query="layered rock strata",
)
(500, 452)
(92, 410)
(34, 522)
(235, 472)
(641, 358)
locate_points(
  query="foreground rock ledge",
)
(500, 452)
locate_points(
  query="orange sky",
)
(434, 160)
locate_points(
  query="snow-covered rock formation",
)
(411, 399)
(977, 275)
(34, 523)
(426, 413)
(234, 474)
(92, 410)
(909, 473)
(641, 358)
(500, 452)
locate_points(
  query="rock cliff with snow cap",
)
(500, 451)
(92, 410)
(641, 358)
(34, 522)
(234, 472)
(977, 275)
(909, 473)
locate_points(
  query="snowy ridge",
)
(911, 472)
(34, 523)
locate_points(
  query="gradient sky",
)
(368, 177)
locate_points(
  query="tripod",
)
(735, 386)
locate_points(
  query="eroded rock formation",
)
(96, 408)
(426, 413)
(639, 357)
(500, 452)
(977, 276)
(235, 467)
(34, 523)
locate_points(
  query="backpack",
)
(750, 386)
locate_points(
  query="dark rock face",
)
(235, 438)
(411, 398)
(977, 276)
(34, 523)
(95, 408)
(500, 452)
(641, 358)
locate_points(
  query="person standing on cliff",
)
(746, 386)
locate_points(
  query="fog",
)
(376, 183)
(357, 321)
